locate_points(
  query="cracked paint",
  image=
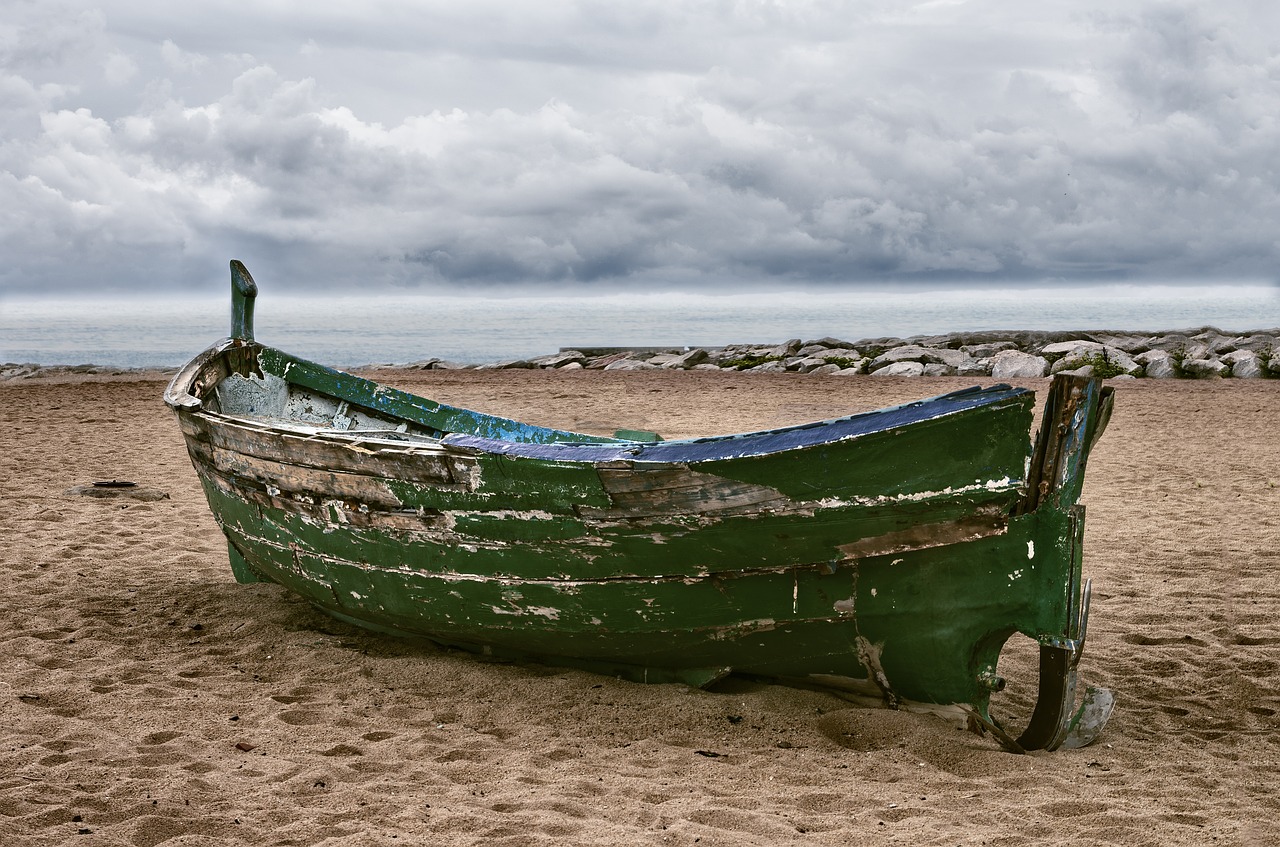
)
(459, 529)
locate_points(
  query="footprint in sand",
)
(301, 717)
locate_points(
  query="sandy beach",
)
(146, 698)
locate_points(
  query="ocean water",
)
(345, 331)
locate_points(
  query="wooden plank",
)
(769, 622)
(311, 482)
(926, 535)
(426, 463)
(987, 445)
(534, 543)
(493, 482)
(640, 492)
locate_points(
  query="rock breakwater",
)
(1202, 353)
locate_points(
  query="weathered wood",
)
(642, 492)
(406, 406)
(899, 548)
(243, 292)
(428, 463)
(541, 544)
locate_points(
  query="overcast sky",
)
(606, 142)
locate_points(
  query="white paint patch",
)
(541, 611)
(1015, 575)
(1002, 484)
(544, 611)
(1031, 549)
(873, 591)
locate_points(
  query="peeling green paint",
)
(902, 555)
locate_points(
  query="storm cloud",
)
(674, 144)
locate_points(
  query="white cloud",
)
(182, 60)
(593, 141)
(119, 69)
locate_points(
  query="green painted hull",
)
(896, 550)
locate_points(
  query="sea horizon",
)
(400, 328)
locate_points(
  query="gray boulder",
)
(1177, 342)
(601, 362)
(1068, 349)
(1257, 342)
(807, 364)
(1159, 364)
(685, 361)
(1244, 364)
(509, 364)
(789, 348)
(559, 360)
(1131, 344)
(828, 341)
(1076, 354)
(1014, 364)
(1123, 360)
(985, 351)
(900, 369)
(1204, 368)
(630, 365)
(923, 355)
(1215, 342)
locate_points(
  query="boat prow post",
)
(243, 292)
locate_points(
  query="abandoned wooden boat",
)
(892, 552)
